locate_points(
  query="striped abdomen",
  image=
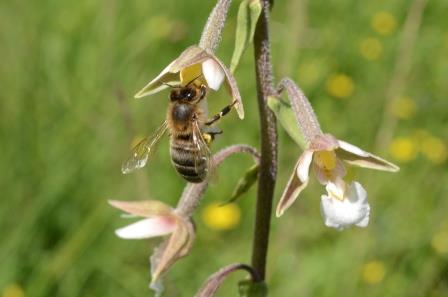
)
(186, 159)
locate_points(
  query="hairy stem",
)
(305, 116)
(211, 34)
(268, 163)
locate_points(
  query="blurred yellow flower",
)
(370, 48)
(403, 149)
(373, 272)
(440, 242)
(13, 290)
(434, 149)
(383, 23)
(340, 86)
(403, 108)
(221, 217)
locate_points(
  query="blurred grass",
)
(68, 73)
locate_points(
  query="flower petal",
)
(358, 157)
(353, 210)
(297, 182)
(323, 142)
(232, 88)
(213, 73)
(190, 74)
(324, 176)
(170, 75)
(159, 83)
(147, 228)
(336, 188)
(192, 55)
(303, 166)
(175, 247)
(144, 208)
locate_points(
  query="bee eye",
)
(191, 94)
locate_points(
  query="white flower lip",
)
(148, 228)
(213, 74)
(354, 209)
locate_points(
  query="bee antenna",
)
(191, 81)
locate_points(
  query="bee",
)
(190, 134)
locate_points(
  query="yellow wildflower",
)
(340, 86)
(370, 48)
(440, 242)
(13, 290)
(373, 272)
(434, 149)
(221, 217)
(383, 23)
(403, 108)
(403, 149)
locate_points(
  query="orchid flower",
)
(196, 65)
(159, 219)
(327, 156)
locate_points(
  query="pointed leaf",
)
(248, 14)
(287, 119)
(245, 183)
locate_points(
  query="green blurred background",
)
(375, 71)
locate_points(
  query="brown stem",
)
(268, 164)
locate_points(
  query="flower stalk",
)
(305, 116)
(268, 135)
(211, 35)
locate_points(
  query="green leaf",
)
(287, 119)
(248, 288)
(248, 14)
(245, 183)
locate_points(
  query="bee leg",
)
(222, 113)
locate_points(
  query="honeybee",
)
(190, 134)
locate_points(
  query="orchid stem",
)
(268, 163)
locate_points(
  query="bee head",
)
(183, 94)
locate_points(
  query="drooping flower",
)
(327, 156)
(159, 219)
(198, 65)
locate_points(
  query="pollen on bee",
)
(207, 137)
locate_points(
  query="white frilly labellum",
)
(213, 73)
(354, 209)
(147, 228)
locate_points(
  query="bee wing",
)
(143, 150)
(202, 156)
